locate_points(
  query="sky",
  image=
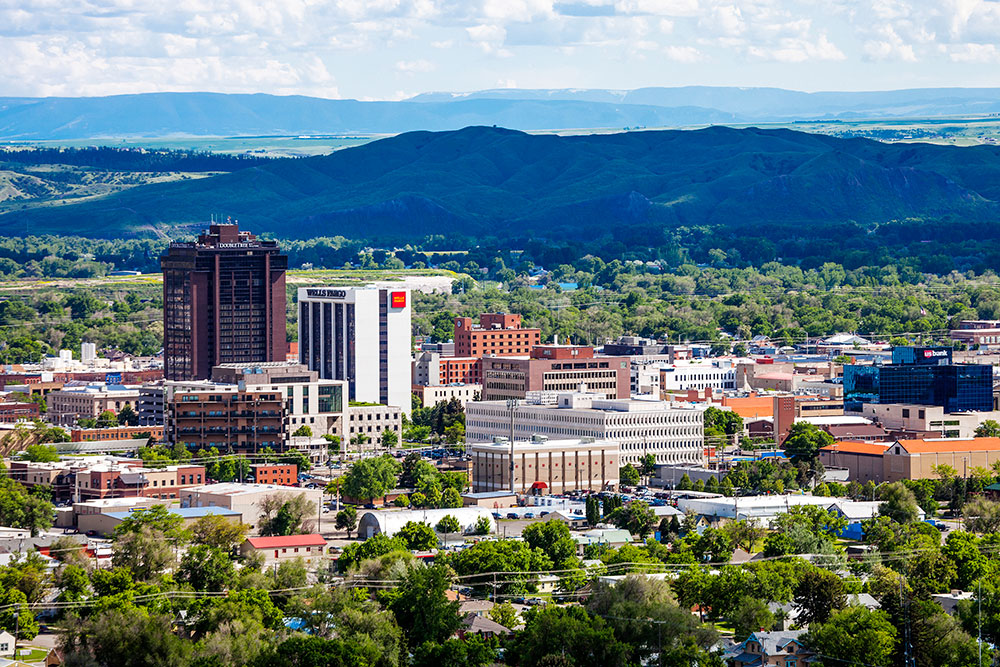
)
(393, 49)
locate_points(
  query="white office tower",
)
(88, 352)
(361, 335)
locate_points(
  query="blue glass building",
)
(920, 376)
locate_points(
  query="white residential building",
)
(671, 432)
(361, 335)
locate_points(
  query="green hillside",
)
(483, 181)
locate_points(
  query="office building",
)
(497, 334)
(463, 393)
(920, 376)
(362, 336)
(68, 405)
(981, 334)
(790, 409)
(671, 432)
(927, 420)
(543, 466)
(555, 368)
(698, 374)
(371, 421)
(431, 369)
(223, 302)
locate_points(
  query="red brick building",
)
(11, 412)
(115, 433)
(282, 474)
(498, 334)
(555, 368)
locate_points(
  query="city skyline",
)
(393, 49)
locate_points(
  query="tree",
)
(371, 478)
(418, 536)
(988, 429)
(207, 568)
(451, 498)
(504, 614)
(552, 538)
(347, 519)
(750, 615)
(585, 641)
(41, 453)
(647, 465)
(684, 484)
(593, 506)
(482, 527)
(490, 556)
(898, 503)
(854, 635)
(744, 533)
(422, 607)
(982, 516)
(285, 514)
(389, 438)
(107, 419)
(629, 475)
(818, 594)
(145, 540)
(636, 517)
(111, 637)
(804, 442)
(712, 546)
(448, 524)
(218, 532)
(472, 651)
(303, 431)
(127, 416)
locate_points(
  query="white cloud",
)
(682, 54)
(413, 66)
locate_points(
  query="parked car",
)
(529, 515)
(512, 515)
(497, 516)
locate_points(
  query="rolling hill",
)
(486, 181)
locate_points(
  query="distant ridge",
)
(487, 181)
(216, 114)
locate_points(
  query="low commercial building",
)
(123, 480)
(310, 548)
(863, 460)
(282, 474)
(762, 508)
(490, 499)
(106, 522)
(543, 466)
(463, 393)
(699, 374)
(68, 405)
(389, 522)
(671, 432)
(917, 459)
(555, 368)
(246, 498)
(372, 420)
(13, 411)
(433, 369)
(115, 433)
(920, 419)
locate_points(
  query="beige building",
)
(106, 522)
(69, 404)
(431, 396)
(672, 432)
(911, 459)
(245, 498)
(310, 548)
(372, 420)
(543, 466)
(927, 419)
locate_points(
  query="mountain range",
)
(216, 114)
(487, 181)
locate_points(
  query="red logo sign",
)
(927, 354)
(398, 299)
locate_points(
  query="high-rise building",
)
(497, 334)
(223, 302)
(920, 376)
(361, 335)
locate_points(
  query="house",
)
(779, 648)
(571, 520)
(479, 625)
(610, 536)
(284, 548)
(6, 644)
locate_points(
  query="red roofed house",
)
(280, 549)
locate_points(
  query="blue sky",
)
(391, 49)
